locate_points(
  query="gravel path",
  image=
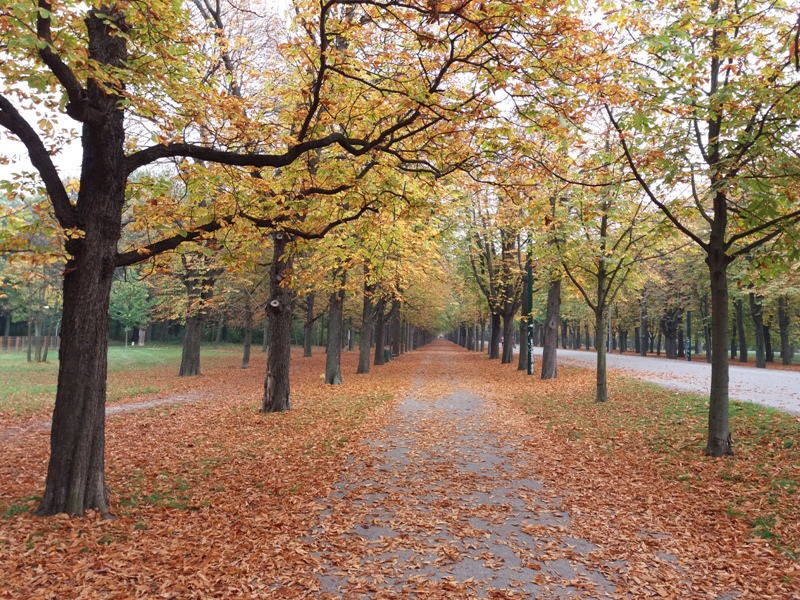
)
(444, 506)
(777, 389)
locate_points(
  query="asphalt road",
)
(777, 389)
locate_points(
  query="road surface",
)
(777, 389)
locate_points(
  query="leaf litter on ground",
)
(214, 499)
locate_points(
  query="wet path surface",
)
(444, 506)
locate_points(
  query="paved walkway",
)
(777, 389)
(446, 507)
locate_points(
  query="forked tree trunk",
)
(333, 359)
(75, 474)
(367, 328)
(280, 307)
(757, 312)
(550, 341)
(308, 326)
(719, 438)
(248, 334)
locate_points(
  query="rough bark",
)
(719, 438)
(190, 356)
(248, 334)
(550, 342)
(333, 359)
(308, 326)
(280, 307)
(75, 473)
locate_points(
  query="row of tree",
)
(367, 137)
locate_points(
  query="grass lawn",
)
(30, 388)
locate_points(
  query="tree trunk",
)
(733, 341)
(564, 327)
(46, 347)
(280, 307)
(550, 342)
(367, 328)
(658, 343)
(380, 329)
(637, 341)
(601, 386)
(719, 438)
(75, 474)
(308, 327)
(219, 329)
(757, 312)
(495, 335)
(351, 338)
(394, 327)
(644, 327)
(483, 334)
(783, 325)
(248, 334)
(769, 353)
(190, 357)
(669, 327)
(142, 336)
(333, 359)
(37, 324)
(740, 331)
(522, 364)
(508, 339)
(30, 341)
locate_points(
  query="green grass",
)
(27, 388)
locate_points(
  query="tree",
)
(102, 63)
(129, 304)
(707, 125)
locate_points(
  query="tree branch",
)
(132, 257)
(40, 158)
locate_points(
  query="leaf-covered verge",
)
(634, 478)
(214, 499)
(210, 497)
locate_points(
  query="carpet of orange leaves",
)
(213, 499)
